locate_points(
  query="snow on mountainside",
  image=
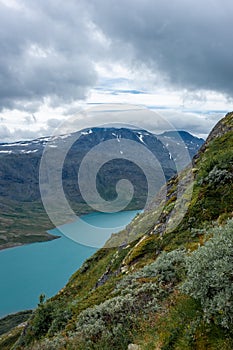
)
(19, 175)
(25, 147)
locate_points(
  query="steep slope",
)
(161, 287)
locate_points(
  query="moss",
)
(147, 246)
(171, 200)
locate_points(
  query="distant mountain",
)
(91, 137)
(21, 206)
(173, 140)
(19, 161)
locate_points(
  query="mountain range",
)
(21, 206)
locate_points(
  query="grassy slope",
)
(10, 321)
(172, 327)
(19, 222)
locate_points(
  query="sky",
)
(58, 58)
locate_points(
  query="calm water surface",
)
(30, 270)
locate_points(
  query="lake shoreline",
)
(10, 245)
(45, 268)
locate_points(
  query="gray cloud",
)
(156, 121)
(30, 119)
(5, 133)
(190, 42)
(45, 53)
(194, 123)
(49, 48)
(54, 123)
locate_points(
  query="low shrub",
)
(210, 274)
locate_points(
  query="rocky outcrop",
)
(224, 126)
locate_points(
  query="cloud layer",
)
(188, 42)
(45, 53)
(54, 53)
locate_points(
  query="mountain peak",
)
(185, 135)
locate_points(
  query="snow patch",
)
(16, 144)
(45, 139)
(24, 144)
(6, 152)
(118, 137)
(64, 136)
(30, 151)
(36, 141)
(90, 131)
(10, 144)
(140, 136)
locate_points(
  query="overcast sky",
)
(57, 57)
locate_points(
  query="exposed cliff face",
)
(143, 291)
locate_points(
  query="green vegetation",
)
(11, 321)
(19, 222)
(8, 340)
(209, 276)
(170, 303)
(159, 288)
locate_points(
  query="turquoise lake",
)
(30, 270)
